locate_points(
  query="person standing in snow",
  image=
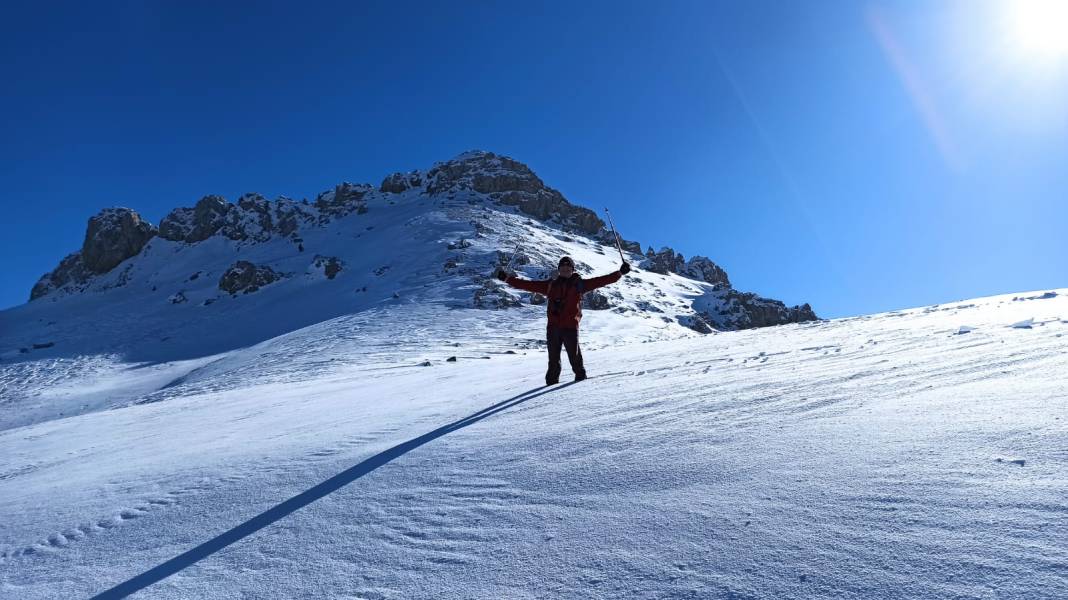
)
(564, 298)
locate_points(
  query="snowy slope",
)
(911, 454)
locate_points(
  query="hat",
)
(566, 259)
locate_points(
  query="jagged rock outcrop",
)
(247, 277)
(490, 295)
(70, 272)
(663, 262)
(511, 183)
(113, 235)
(703, 269)
(698, 267)
(747, 310)
(401, 182)
(195, 224)
(345, 198)
(329, 266)
(595, 300)
(256, 222)
(289, 215)
(253, 218)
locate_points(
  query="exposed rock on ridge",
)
(113, 235)
(751, 310)
(252, 218)
(247, 277)
(699, 267)
(511, 183)
(399, 182)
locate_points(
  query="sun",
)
(1038, 29)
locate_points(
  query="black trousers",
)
(568, 338)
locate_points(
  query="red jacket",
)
(564, 295)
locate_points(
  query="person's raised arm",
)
(540, 287)
(596, 282)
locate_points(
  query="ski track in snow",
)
(881, 456)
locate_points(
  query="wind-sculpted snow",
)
(910, 454)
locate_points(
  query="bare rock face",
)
(747, 310)
(665, 261)
(345, 198)
(698, 267)
(491, 295)
(198, 223)
(595, 300)
(71, 271)
(330, 265)
(114, 235)
(246, 277)
(253, 218)
(511, 183)
(401, 182)
(703, 269)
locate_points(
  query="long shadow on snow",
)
(306, 497)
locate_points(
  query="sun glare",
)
(1039, 28)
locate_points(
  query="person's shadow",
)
(306, 497)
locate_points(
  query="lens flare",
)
(1039, 28)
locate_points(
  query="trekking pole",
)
(614, 234)
(511, 258)
(508, 266)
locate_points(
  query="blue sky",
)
(860, 156)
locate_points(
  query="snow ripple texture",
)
(911, 454)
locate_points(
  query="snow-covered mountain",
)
(221, 276)
(431, 236)
(334, 400)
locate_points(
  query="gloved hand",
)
(624, 268)
(502, 275)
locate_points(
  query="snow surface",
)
(881, 456)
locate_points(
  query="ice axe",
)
(614, 234)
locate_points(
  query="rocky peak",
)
(483, 172)
(113, 235)
(665, 261)
(195, 224)
(702, 268)
(698, 267)
(252, 218)
(401, 182)
(345, 198)
(510, 183)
